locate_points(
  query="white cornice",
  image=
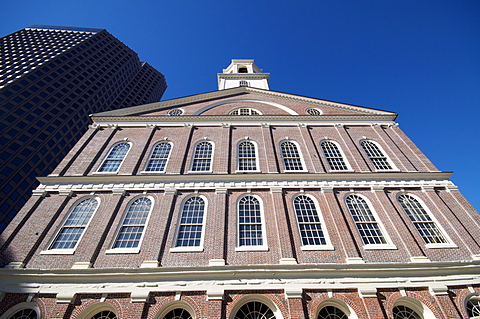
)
(302, 276)
(236, 91)
(242, 181)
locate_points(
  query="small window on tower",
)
(242, 69)
(243, 83)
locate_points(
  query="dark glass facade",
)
(51, 79)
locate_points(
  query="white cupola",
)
(243, 73)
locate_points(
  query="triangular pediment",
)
(262, 102)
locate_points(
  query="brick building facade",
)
(243, 203)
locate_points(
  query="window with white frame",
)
(473, 306)
(105, 314)
(133, 225)
(247, 156)
(292, 159)
(334, 156)
(75, 224)
(245, 111)
(250, 223)
(365, 221)
(404, 312)
(178, 313)
(309, 222)
(254, 310)
(422, 221)
(331, 312)
(376, 155)
(158, 159)
(202, 157)
(115, 158)
(190, 229)
(26, 313)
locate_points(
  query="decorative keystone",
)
(367, 292)
(215, 294)
(66, 297)
(139, 295)
(438, 290)
(291, 293)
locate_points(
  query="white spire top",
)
(243, 73)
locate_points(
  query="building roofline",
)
(63, 28)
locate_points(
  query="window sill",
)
(104, 173)
(379, 246)
(317, 247)
(199, 172)
(186, 249)
(436, 246)
(58, 252)
(251, 248)
(122, 251)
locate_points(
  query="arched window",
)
(133, 225)
(422, 221)
(245, 111)
(158, 159)
(75, 224)
(247, 156)
(331, 312)
(404, 312)
(334, 156)
(190, 229)
(26, 313)
(106, 314)
(292, 159)
(115, 158)
(309, 222)
(473, 306)
(250, 222)
(254, 310)
(365, 221)
(202, 157)
(178, 313)
(376, 156)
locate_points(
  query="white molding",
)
(188, 181)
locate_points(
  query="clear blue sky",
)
(419, 58)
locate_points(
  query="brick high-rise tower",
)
(243, 203)
(51, 79)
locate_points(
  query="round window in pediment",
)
(175, 112)
(313, 111)
(245, 111)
